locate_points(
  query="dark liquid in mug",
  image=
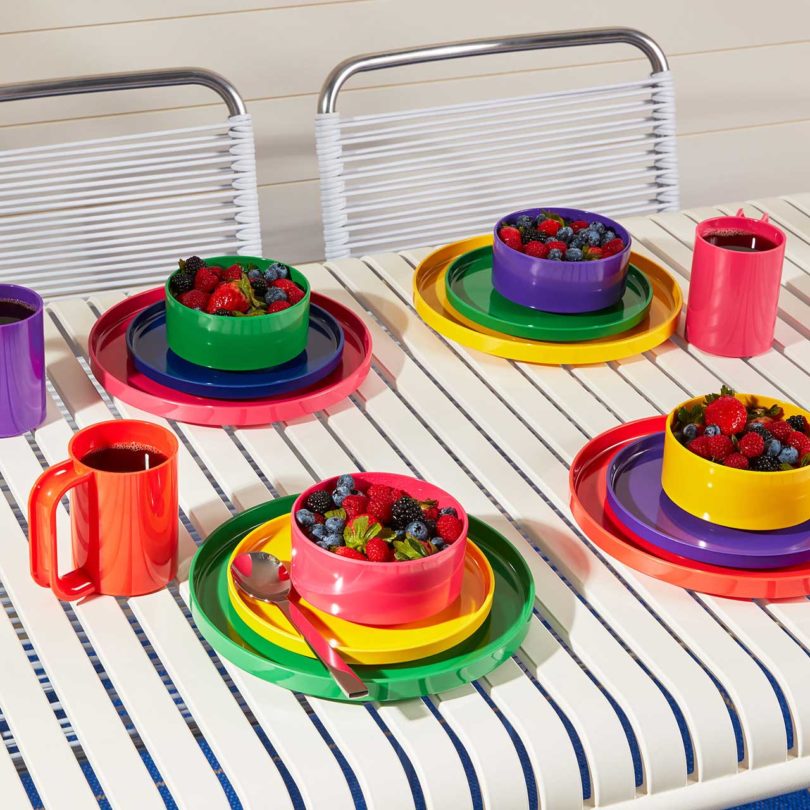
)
(124, 458)
(13, 311)
(740, 241)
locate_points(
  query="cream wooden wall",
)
(740, 66)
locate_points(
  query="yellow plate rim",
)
(638, 340)
(419, 648)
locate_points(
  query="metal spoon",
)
(264, 577)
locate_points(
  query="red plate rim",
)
(176, 405)
(587, 482)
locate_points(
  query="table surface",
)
(627, 691)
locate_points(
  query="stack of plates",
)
(453, 292)
(618, 501)
(131, 359)
(471, 637)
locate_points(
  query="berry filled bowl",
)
(378, 548)
(237, 313)
(739, 460)
(560, 259)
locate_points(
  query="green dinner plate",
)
(470, 292)
(493, 643)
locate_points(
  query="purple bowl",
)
(559, 286)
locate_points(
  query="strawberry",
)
(536, 249)
(612, 247)
(736, 460)
(699, 446)
(719, 447)
(800, 442)
(448, 528)
(277, 306)
(206, 279)
(557, 244)
(377, 550)
(778, 429)
(728, 413)
(232, 273)
(595, 253)
(193, 299)
(578, 225)
(294, 292)
(752, 445)
(549, 227)
(354, 505)
(511, 236)
(351, 553)
(228, 296)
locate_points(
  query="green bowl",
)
(238, 344)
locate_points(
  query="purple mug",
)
(22, 360)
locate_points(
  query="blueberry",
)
(331, 540)
(274, 294)
(339, 494)
(417, 529)
(524, 222)
(335, 525)
(789, 455)
(712, 430)
(281, 270)
(607, 236)
(448, 510)
(690, 431)
(565, 234)
(305, 517)
(271, 274)
(345, 482)
(555, 254)
(254, 273)
(773, 448)
(573, 255)
(438, 543)
(318, 531)
(594, 238)
(597, 226)
(578, 241)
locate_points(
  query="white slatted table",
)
(626, 692)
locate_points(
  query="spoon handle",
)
(344, 675)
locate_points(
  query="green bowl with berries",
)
(237, 313)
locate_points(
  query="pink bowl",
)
(379, 593)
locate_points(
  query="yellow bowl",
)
(741, 499)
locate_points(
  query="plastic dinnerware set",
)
(516, 302)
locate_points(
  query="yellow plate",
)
(430, 300)
(362, 644)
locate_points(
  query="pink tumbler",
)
(734, 288)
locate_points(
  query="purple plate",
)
(634, 493)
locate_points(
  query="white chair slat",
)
(37, 732)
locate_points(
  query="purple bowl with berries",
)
(569, 281)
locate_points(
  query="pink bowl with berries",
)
(542, 266)
(403, 578)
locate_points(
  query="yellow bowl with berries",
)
(732, 481)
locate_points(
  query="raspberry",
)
(779, 429)
(294, 292)
(380, 492)
(800, 442)
(549, 227)
(277, 306)
(377, 550)
(736, 460)
(798, 422)
(206, 279)
(728, 413)
(448, 528)
(612, 247)
(719, 447)
(355, 505)
(431, 513)
(351, 553)
(511, 237)
(536, 249)
(752, 445)
(193, 299)
(380, 510)
(578, 225)
(700, 446)
(232, 273)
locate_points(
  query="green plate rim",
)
(478, 317)
(386, 683)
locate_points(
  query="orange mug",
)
(123, 512)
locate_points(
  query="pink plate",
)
(114, 370)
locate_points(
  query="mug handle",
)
(49, 489)
(763, 218)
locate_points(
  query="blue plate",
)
(146, 342)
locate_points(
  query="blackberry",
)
(431, 526)
(797, 422)
(530, 235)
(259, 287)
(764, 464)
(193, 264)
(182, 281)
(758, 427)
(226, 312)
(405, 511)
(320, 501)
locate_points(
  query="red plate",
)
(113, 368)
(588, 483)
